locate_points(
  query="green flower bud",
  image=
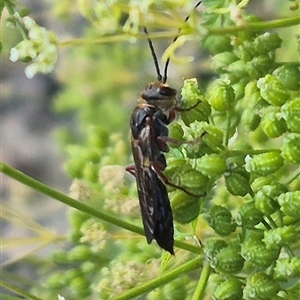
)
(175, 132)
(213, 246)
(174, 169)
(56, 281)
(175, 291)
(272, 90)
(70, 274)
(250, 119)
(287, 268)
(228, 260)
(260, 286)
(248, 215)
(281, 236)
(252, 94)
(265, 197)
(238, 68)
(265, 163)
(258, 66)
(289, 74)
(90, 172)
(237, 182)
(217, 44)
(230, 77)
(213, 136)
(290, 149)
(273, 125)
(294, 5)
(98, 137)
(74, 167)
(80, 287)
(260, 182)
(185, 208)
(201, 112)
(24, 12)
(76, 219)
(266, 42)
(290, 203)
(239, 88)
(211, 165)
(196, 150)
(93, 155)
(230, 289)
(79, 253)
(291, 114)
(253, 235)
(222, 60)
(219, 218)
(220, 95)
(193, 181)
(191, 96)
(243, 52)
(221, 121)
(60, 256)
(206, 139)
(179, 172)
(256, 253)
(175, 163)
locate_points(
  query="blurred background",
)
(38, 115)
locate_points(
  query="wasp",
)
(156, 108)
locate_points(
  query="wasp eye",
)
(166, 91)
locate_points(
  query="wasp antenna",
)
(159, 77)
(165, 76)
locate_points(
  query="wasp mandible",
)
(155, 109)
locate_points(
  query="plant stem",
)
(254, 26)
(257, 26)
(235, 153)
(46, 190)
(19, 25)
(161, 280)
(198, 294)
(18, 291)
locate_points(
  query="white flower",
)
(31, 70)
(29, 23)
(41, 48)
(14, 54)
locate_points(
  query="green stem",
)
(235, 153)
(198, 294)
(295, 175)
(46, 190)
(228, 124)
(19, 25)
(161, 280)
(272, 222)
(254, 26)
(18, 291)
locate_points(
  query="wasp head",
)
(159, 95)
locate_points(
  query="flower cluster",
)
(256, 98)
(40, 49)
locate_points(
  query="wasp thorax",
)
(159, 95)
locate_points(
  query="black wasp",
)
(149, 133)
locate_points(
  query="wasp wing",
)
(153, 197)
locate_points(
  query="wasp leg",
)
(172, 112)
(131, 170)
(176, 108)
(165, 139)
(165, 180)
